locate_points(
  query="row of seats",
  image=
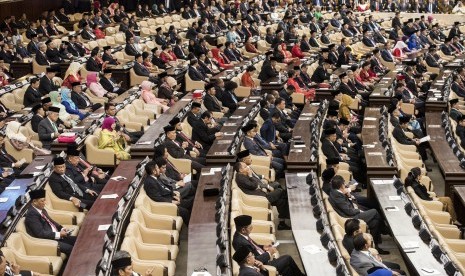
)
(452, 138)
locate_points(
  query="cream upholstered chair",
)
(193, 85)
(152, 239)
(96, 156)
(94, 99)
(141, 105)
(182, 165)
(19, 94)
(136, 79)
(26, 153)
(38, 264)
(155, 236)
(146, 255)
(161, 208)
(155, 221)
(40, 254)
(8, 99)
(58, 205)
(131, 121)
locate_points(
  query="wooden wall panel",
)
(33, 8)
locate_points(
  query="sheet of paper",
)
(369, 146)
(39, 167)
(187, 178)
(377, 182)
(302, 174)
(12, 188)
(312, 249)
(144, 143)
(228, 133)
(242, 107)
(394, 198)
(375, 153)
(103, 227)
(208, 173)
(36, 173)
(215, 170)
(3, 199)
(185, 100)
(370, 119)
(369, 126)
(110, 196)
(252, 101)
(425, 139)
(299, 146)
(434, 126)
(410, 245)
(235, 117)
(388, 181)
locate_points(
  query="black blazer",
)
(141, 70)
(46, 85)
(35, 121)
(400, 136)
(31, 96)
(342, 205)
(75, 174)
(6, 160)
(32, 47)
(227, 99)
(41, 59)
(249, 185)
(110, 59)
(38, 227)
(157, 190)
(93, 66)
(130, 50)
(211, 104)
(80, 100)
(239, 241)
(203, 134)
(267, 73)
(174, 150)
(320, 75)
(329, 150)
(62, 189)
(195, 74)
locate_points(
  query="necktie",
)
(73, 185)
(258, 248)
(54, 126)
(54, 228)
(186, 138)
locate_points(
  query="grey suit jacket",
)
(362, 263)
(174, 150)
(253, 147)
(45, 131)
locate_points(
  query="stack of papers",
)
(312, 249)
(110, 196)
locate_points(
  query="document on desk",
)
(392, 209)
(110, 196)
(394, 198)
(410, 245)
(235, 117)
(368, 146)
(299, 146)
(103, 227)
(375, 153)
(242, 107)
(3, 199)
(378, 182)
(39, 167)
(118, 178)
(222, 142)
(370, 119)
(425, 139)
(12, 188)
(187, 178)
(312, 249)
(144, 143)
(302, 174)
(214, 170)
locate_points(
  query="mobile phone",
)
(428, 270)
(390, 208)
(276, 244)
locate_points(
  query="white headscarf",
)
(12, 132)
(400, 45)
(73, 69)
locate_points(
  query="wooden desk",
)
(87, 250)
(272, 84)
(300, 161)
(140, 151)
(377, 165)
(201, 248)
(38, 161)
(434, 103)
(448, 163)
(19, 69)
(458, 198)
(377, 97)
(304, 227)
(403, 231)
(219, 153)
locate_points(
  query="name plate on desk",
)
(222, 142)
(230, 124)
(434, 126)
(369, 126)
(375, 153)
(370, 119)
(220, 153)
(305, 118)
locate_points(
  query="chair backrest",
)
(19, 94)
(15, 242)
(8, 99)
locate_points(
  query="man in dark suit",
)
(38, 116)
(82, 174)
(400, 136)
(32, 95)
(368, 40)
(268, 70)
(130, 49)
(81, 100)
(272, 191)
(454, 113)
(141, 70)
(194, 71)
(46, 82)
(52, 53)
(109, 84)
(160, 191)
(108, 57)
(211, 102)
(180, 150)
(321, 73)
(341, 201)
(33, 45)
(41, 57)
(285, 265)
(248, 266)
(181, 137)
(431, 58)
(40, 225)
(91, 64)
(256, 149)
(74, 47)
(64, 187)
(204, 134)
(193, 115)
(228, 98)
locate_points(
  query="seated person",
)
(362, 258)
(69, 120)
(285, 265)
(454, 113)
(72, 74)
(149, 97)
(247, 263)
(48, 129)
(181, 137)
(185, 189)
(460, 130)
(81, 100)
(256, 149)
(88, 176)
(111, 138)
(167, 88)
(413, 180)
(204, 134)
(65, 188)
(32, 95)
(181, 149)
(345, 207)
(129, 136)
(69, 105)
(399, 134)
(273, 192)
(109, 84)
(19, 141)
(160, 191)
(40, 225)
(96, 88)
(121, 264)
(211, 102)
(38, 116)
(278, 149)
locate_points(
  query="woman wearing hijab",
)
(71, 108)
(111, 138)
(284, 56)
(68, 119)
(413, 180)
(400, 49)
(96, 88)
(413, 43)
(150, 98)
(19, 141)
(72, 74)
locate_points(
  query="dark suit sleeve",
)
(140, 71)
(342, 205)
(44, 133)
(155, 192)
(401, 137)
(174, 150)
(246, 183)
(56, 183)
(35, 226)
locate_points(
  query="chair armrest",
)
(134, 125)
(256, 201)
(141, 266)
(271, 270)
(263, 226)
(38, 264)
(63, 205)
(62, 217)
(456, 245)
(163, 222)
(138, 119)
(262, 170)
(263, 239)
(152, 252)
(182, 165)
(438, 216)
(163, 208)
(432, 205)
(261, 160)
(41, 247)
(448, 232)
(217, 115)
(157, 236)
